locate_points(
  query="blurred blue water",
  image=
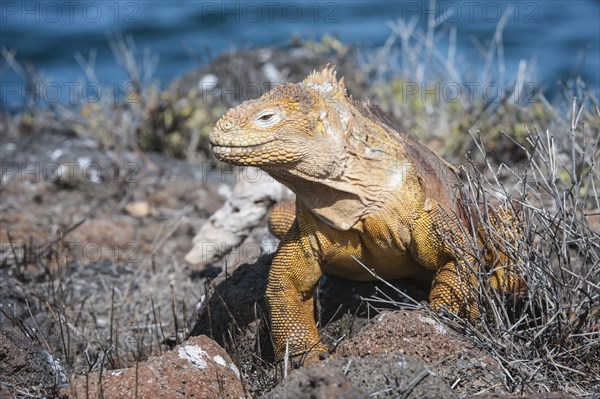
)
(558, 35)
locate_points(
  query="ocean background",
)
(562, 38)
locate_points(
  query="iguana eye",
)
(267, 118)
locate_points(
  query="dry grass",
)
(100, 316)
(548, 340)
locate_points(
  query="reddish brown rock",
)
(198, 368)
(382, 376)
(320, 381)
(417, 334)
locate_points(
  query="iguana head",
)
(299, 133)
(283, 127)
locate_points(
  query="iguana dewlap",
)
(363, 190)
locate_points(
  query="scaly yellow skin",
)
(364, 191)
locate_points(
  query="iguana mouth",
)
(219, 140)
(238, 148)
(222, 146)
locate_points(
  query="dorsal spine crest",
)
(325, 82)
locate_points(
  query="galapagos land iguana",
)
(364, 192)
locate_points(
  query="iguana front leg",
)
(454, 287)
(455, 283)
(440, 243)
(293, 277)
